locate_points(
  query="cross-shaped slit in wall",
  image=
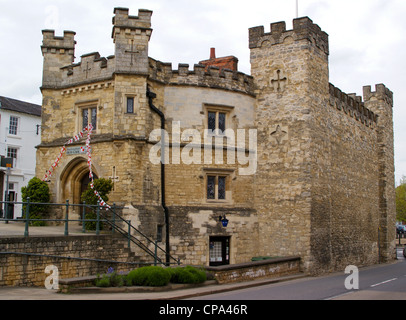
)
(132, 52)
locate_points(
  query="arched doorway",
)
(84, 184)
(74, 179)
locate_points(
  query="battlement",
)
(122, 20)
(303, 28)
(91, 68)
(57, 52)
(52, 43)
(380, 93)
(353, 106)
(212, 77)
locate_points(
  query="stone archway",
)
(73, 178)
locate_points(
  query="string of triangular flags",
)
(88, 130)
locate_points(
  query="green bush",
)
(103, 187)
(149, 276)
(187, 274)
(38, 192)
(110, 280)
(103, 282)
(153, 277)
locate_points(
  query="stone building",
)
(295, 165)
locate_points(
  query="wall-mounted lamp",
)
(224, 221)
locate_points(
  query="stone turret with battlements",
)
(131, 36)
(58, 52)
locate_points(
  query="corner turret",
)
(58, 52)
(303, 28)
(131, 35)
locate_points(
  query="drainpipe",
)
(152, 96)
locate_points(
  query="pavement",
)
(17, 228)
(10, 293)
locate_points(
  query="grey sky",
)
(367, 39)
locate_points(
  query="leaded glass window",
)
(212, 121)
(217, 121)
(130, 105)
(216, 187)
(211, 187)
(89, 115)
(222, 122)
(85, 117)
(221, 188)
(94, 118)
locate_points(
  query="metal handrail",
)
(137, 241)
(101, 218)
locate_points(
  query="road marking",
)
(340, 295)
(378, 284)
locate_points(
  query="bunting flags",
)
(88, 130)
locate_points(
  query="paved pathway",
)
(8, 293)
(14, 228)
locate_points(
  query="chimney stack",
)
(212, 53)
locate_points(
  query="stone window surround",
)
(135, 103)
(80, 106)
(218, 172)
(217, 108)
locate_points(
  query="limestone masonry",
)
(323, 188)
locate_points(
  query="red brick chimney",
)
(229, 62)
(212, 53)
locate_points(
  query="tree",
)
(401, 201)
(38, 192)
(103, 187)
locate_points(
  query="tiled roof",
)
(20, 106)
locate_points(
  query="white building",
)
(20, 133)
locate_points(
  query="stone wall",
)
(29, 270)
(277, 267)
(325, 170)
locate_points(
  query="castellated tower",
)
(317, 187)
(380, 102)
(131, 36)
(58, 52)
(290, 69)
(108, 92)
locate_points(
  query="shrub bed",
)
(187, 275)
(153, 277)
(149, 277)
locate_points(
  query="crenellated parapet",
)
(131, 35)
(58, 45)
(353, 106)
(57, 52)
(381, 93)
(91, 68)
(303, 28)
(201, 76)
